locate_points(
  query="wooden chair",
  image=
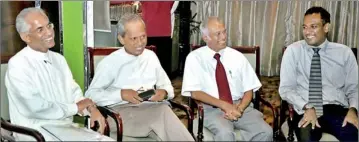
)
(287, 123)
(96, 54)
(252, 53)
(7, 129)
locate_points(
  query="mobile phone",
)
(147, 94)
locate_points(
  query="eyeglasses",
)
(41, 30)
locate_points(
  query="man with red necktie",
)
(224, 81)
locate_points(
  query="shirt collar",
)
(130, 56)
(37, 54)
(323, 46)
(211, 52)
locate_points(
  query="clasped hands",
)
(232, 111)
(95, 114)
(310, 117)
(131, 96)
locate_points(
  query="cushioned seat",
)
(325, 136)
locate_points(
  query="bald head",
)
(22, 24)
(214, 33)
(35, 29)
(209, 22)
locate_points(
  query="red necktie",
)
(222, 82)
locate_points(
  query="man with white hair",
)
(40, 86)
(224, 80)
(130, 70)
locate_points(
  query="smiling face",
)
(40, 37)
(135, 38)
(314, 31)
(217, 35)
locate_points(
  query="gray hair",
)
(21, 25)
(204, 24)
(125, 19)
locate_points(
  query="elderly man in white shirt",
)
(224, 80)
(39, 83)
(121, 75)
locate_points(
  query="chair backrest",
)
(96, 54)
(252, 53)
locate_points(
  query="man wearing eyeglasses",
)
(40, 86)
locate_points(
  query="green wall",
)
(72, 20)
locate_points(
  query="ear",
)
(25, 37)
(205, 38)
(327, 27)
(120, 38)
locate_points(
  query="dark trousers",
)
(331, 122)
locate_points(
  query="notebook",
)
(73, 133)
(121, 104)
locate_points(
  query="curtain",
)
(275, 24)
(101, 16)
(117, 10)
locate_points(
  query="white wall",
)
(3, 98)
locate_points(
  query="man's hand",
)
(81, 105)
(160, 95)
(97, 116)
(240, 108)
(351, 117)
(309, 117)
(231, 113)
(130, 96)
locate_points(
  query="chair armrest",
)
(276, 124)
(200, 112)
(22, 130)
(290, 123)
(188, 112)
(96, 127)
(105, 111)
(283, 117)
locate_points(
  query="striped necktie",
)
(315, 84)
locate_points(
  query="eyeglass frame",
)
(49, 26)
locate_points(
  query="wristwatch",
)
(308, 106)
(354, 109)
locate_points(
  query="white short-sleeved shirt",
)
(200, 67)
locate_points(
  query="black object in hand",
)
(147, 94)
(96, 126)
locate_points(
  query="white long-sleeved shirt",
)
(120, 70)
(41, 90)
(200, 69)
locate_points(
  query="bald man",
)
(224, 80)
(39, 83)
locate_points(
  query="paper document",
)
(144, 103)
(74, 133)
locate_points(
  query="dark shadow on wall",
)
(11, 42)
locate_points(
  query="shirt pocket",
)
(337, 75)
(234, 79)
